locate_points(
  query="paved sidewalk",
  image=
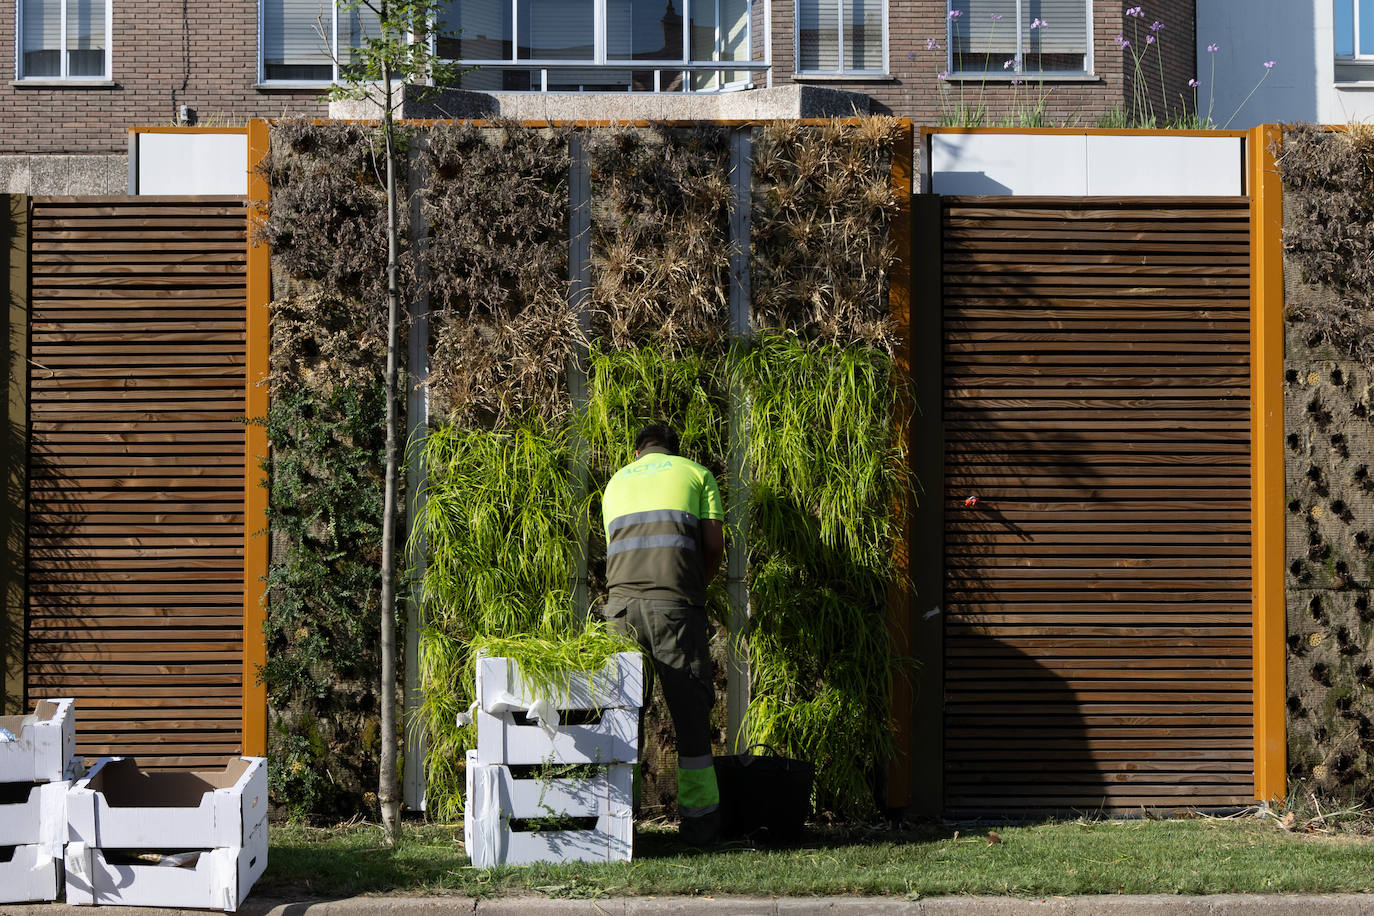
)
(1148, 905)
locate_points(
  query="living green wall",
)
(550, 347)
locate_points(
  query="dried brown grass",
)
(1328, 178)
(497, 205)
(660, 237)
(822, 205)
(326, 220)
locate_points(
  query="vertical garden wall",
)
(1329, 436)
(325, 426)
(582, 283)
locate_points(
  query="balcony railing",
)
(629, 76)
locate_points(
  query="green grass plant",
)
(1193, 856)
(628, 389)
(501, 521)
(825, 466)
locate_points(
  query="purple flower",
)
(1016, 82)
(1038, 23)
(933, 44)
(1193, 84)
(1156, 26)
(1212, 49)
(1269, 64)
(955, 14)
(942, 75)
(994, 16)
(1008, 64)
(1149, 39)
(1136, 11)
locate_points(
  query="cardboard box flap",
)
(44, 711)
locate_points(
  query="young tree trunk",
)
(387, 795)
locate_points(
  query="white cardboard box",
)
(495, 796)
(219, 880)
(118, 806)
(41, 817)
(45, 745)
(618, 685)
(615, 739)
(30, 873)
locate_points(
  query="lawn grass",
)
(1193, 856)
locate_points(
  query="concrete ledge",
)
(791, 101)
(62, 174)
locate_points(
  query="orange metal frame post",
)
(899, 602)
(1266, 399)
(255, 542)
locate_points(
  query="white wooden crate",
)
(45, 743)
(495, 796)
(615, 739)
(31, 872)
(620, 684)
(617, 691)
(118, 806)
(41, 817)
(220, 879)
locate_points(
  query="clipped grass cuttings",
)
(497, 207)
(660, 236)
(501, 521)
(547, 665)
(826, 465)
(326, 219)
(822, 203)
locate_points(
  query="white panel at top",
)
(199, 163)
(1051, 165)
(1126, 166)
(1075, 165)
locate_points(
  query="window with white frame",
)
(1354, 21)
(597, 45)
(1019, 38)
(64, 40)
(306, 41)
(842, 36)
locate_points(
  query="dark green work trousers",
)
(675, 635)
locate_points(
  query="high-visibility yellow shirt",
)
(653, 509)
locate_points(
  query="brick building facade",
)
(912, 87)
(71, 137)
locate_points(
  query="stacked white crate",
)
(36, 770)
(495, 796)
(220, 814)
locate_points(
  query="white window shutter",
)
(1067, 28)
(818, 35)
(863, 34)
(291, 33)
(975, 30)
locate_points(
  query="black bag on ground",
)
(764, 796)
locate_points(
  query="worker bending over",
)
(664, 543)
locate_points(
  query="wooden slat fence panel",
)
(137, 473)
(1098, 595)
